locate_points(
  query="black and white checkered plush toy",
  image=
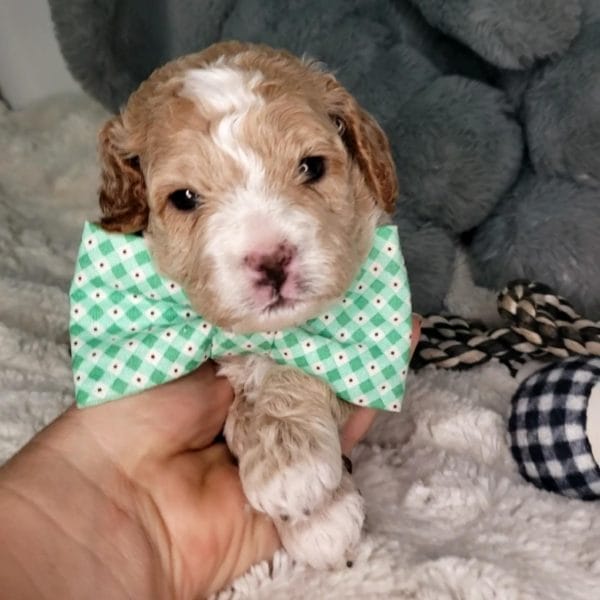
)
(554, 423)
(555, 428)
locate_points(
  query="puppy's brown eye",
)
(312, 168)
(184, 199)
(340, 125)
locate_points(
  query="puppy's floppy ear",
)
(366, 142)
(122, 191)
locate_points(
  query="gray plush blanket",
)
(448, 515)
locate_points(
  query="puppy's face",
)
(257, 179)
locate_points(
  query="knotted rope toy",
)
(540, 325)
(554, 424)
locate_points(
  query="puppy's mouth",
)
(278, 303)
(284, 298)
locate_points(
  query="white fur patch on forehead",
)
(230, 93)
(222, 88)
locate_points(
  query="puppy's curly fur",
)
(258, 181)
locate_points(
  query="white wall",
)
(31, 66)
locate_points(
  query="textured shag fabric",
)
(448, 516)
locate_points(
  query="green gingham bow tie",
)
(132, 329)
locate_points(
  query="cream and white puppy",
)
(258, 181)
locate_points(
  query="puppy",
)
(259, 181)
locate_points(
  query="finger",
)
(356, 428)
(186, 413)
(195, 407)
(415, 333)
(183, 414)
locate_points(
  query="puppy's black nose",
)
(274, 274)
(273, 267)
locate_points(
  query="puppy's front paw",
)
(292, 470)
(329, 539)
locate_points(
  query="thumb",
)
(195, 407)
(184, 414)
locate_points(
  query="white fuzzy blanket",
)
(448, 515)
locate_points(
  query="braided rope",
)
(540, 325)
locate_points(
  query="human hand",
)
(131, 499)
